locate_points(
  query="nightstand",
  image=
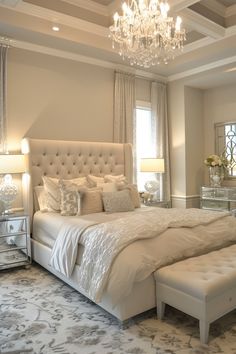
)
(218, 198)
(14, 241)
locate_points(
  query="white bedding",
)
(139, 259)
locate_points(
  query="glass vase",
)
(216, 175)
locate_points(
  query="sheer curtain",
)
(124, 126)
(160, 130)
(3, 93)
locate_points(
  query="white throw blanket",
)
(64, 251)
(105, 241)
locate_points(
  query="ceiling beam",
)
(202, 24)
(178, 5)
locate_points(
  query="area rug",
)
(40, 314)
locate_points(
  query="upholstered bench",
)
(203, 287)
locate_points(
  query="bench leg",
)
(204, 331)
(160, 309)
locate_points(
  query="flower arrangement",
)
(216, 160)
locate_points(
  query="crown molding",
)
(231, 11)
(230, 31)
(87, 60)
(178, 5)
(9, 3)
(202, 24)
(91, 6)
(59, 18)
(200, 69)
(203, 42)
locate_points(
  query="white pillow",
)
(53, 198)
(118, 179)
(40, 199)
(95, 181)
(117, 201)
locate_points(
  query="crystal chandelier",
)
(145, 34)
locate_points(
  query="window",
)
(145, 144)
(226, 144)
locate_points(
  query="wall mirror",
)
(225, 141)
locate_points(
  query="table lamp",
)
(152, 165)
(8, 190)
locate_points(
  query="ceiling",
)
(208, 55)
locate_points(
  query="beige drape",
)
(124, 130)
(124, 108)
(3, 93)
(160, 131)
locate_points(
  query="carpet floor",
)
(39, 314)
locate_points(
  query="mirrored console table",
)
(218, 198)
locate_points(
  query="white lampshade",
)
(12, 163)
(154, 165)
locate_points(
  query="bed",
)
(71, 159)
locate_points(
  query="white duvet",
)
(121, 252)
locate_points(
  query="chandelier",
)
(145, 34)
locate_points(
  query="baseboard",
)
(188, 201)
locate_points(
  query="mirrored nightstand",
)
(14, 241)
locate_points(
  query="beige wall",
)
(219, 106)
(194, 140)
(176, 116)
(55, 98)
(185, 110)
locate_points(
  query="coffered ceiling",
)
(209, 52)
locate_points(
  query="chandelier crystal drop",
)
(145, 34)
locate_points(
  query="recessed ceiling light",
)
(230, 70)
(55, 28)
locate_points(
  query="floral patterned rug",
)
(42, 315)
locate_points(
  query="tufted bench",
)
(203, 287)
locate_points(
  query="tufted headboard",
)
(71, 159)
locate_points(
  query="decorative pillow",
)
(53, 198)
(117, 201)
(52, 188)
(95, 181)
(133, 193)
(40, 199)
(70, 198)
(91, 201)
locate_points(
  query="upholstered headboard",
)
(71, 159)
